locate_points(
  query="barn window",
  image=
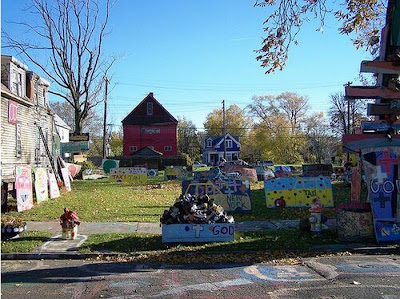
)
(149, 108)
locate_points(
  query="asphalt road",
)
(356, 276)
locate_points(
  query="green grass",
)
(27, 242)
(104, 201)
(244, 241)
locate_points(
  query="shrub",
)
(8, 221)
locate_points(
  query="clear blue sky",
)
(194, 54)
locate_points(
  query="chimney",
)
(151, 94)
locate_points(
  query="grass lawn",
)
(244, 241)
(27, 242)
(104, 201)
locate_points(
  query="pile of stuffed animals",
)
(195, 209)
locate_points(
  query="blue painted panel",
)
(192, 232)
(387, 231)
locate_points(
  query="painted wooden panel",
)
(107, 164)
(381, 167)
(41, 187)
(128, 174)
(371, 92)
(176, 172)
(180, 233)
(232, 195)
(298, 191)
(23, 185)
(53, 187)
(65, 176)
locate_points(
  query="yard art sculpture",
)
(69, 222)
(23, 185)
(298, 191)
(232, 194)
(381, 167)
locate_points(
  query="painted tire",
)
(152, 172)
(280, 203)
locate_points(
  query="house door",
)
(214, 159)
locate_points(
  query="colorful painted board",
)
(381, 168)
(245, 173)
(107, 164)
(128, 174)
(53, 187)
(65, 176)
(211, 174)
(180, 233)
(176, 172)
(298, 191)
(23, 185)
(232, 195)
(41, 187)
(355, 184)
(73, 169)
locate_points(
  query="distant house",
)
(62, 128)
(214, 149)
(24, 109)
(150, 125)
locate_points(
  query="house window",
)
(44, 97)
(229, 143)
(18, 143)
(17, 84)
(133, 148)
(149, 108)
(209, 143)
(168, 148)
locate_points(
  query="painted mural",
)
(41, 187)
(23, 185)
(298, 191)
(381, 167)
(232, 195)
(53, 187)
(128, 174)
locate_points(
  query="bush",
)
(8, 221)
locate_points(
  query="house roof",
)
(147, 152)
(138, 116)
(217, 140)
(60, 123)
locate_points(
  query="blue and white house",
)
(213, 151)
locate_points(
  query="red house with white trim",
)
(150, 125)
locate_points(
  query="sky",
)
(192, 54)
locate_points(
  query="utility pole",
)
(224, 126)
(105, 118)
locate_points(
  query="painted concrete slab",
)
(57, 244)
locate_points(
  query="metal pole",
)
(105, 118)
(224, 126)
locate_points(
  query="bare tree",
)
(67, 46)
(365, 17)
(345, 115)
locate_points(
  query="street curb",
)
(354, 249)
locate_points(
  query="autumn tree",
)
(364, 18)
(236, 121)
(278, 123)
(64, 39)
(188, 139)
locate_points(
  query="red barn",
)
(150, 125)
